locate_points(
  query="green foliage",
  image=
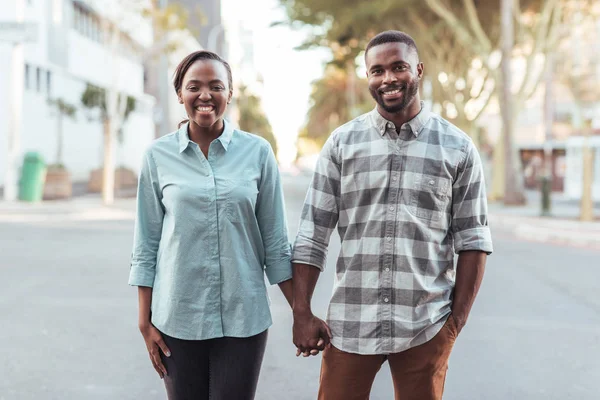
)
(330, 103)
(64, 108)
(95, 97)
(452, 37)
(252, 117)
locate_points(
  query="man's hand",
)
(155, 344)
(311, 334)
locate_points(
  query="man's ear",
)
(420, 70)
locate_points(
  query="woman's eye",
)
(218, 88)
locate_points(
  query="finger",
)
(306, 353)
(321, 344)
(298, 352)
(314, 352)
(160, 365)
(163, 347)
(156, 368)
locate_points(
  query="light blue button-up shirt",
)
(206, 231)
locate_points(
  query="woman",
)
(210, 222)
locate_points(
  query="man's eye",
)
(218, 88)
(376, 72)
(401, 68)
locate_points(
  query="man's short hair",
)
(392, 37)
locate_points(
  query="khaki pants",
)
(418, 373)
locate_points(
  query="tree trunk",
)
(587, 202)
(59, 138)
(513, 193)
(108, 172)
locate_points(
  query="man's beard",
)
(410, 91)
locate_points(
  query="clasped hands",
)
(311, 335)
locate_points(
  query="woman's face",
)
(205, 92)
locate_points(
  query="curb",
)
(555, 231)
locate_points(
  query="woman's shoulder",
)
(252, 139)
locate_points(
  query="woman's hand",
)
(155, 344)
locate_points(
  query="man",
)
(405, 189)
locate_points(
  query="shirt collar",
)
(416, 124)
(184, 138)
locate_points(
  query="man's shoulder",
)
(352, 129)
(449, 134)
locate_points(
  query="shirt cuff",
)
(279, 271)
(139, 276)
(479, 238)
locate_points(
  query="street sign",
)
(18, 32)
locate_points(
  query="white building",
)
(71, 52)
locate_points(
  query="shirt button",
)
(386, 299)
(389, 239)
(432, 182)
(394, 178)
(392, 208)
(387, 269)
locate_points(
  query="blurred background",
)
(85, 86)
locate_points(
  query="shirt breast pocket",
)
(240, 200)
(431, 198)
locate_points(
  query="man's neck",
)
(403, 116)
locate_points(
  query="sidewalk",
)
(562, 227)
(82, 208)
(524, 222)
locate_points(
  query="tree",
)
(330, 103)
(113, 104)
(62, 109)
(252, 117)
(460, 41)
(578, 70)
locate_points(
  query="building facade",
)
(72, 51)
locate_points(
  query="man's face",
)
(393, 73)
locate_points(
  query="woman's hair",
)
(187, 62)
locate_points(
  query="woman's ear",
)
(179, 97)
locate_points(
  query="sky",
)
(287, 73)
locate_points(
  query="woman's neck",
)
(205, 135)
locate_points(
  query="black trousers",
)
(215, 369)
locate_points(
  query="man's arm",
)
(319, 218)
(311, 334)
(471, 234)
(469, 274)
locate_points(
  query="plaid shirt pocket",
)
(430, 198)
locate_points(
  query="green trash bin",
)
(33, 177)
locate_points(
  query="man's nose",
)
(389, 77)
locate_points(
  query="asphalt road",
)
(68, 321)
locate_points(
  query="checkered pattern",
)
(403, 204)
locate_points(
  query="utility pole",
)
(512, 194)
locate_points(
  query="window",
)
(38, 79)
(26, 78)
(48, 83)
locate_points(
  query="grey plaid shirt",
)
(403, 204)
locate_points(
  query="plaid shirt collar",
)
(416, 124)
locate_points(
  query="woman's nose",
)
(204, 96)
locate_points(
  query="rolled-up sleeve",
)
(320, 213)
(148, 225)
(270, 214)
(469, 226)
